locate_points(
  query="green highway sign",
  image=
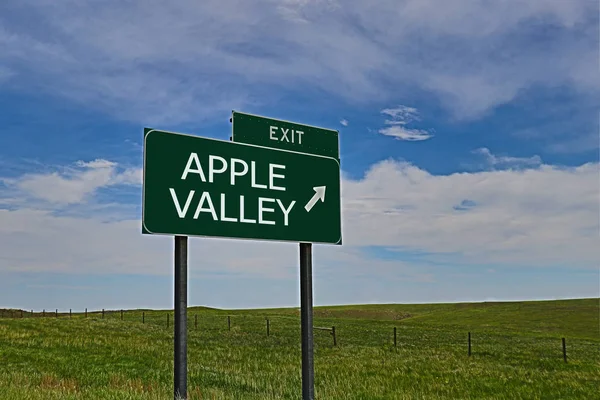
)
(195, 186)
(279, 134)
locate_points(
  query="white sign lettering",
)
(285, 134)
(205, 205)
(269, 210)
(194, 166)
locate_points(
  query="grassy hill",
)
(516, 353)
(576, 318)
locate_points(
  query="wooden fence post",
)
(469, 344)
(228, 323)
(196, 321)
(267, 326)
(564, 346)
(394, 336)
(70, 313)
(333, 334)
(167, 320)
(44, 312)
(121, 315)
(103, 313)
(56, 313)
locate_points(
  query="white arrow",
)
(319, 195)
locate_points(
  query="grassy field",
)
(516, 353)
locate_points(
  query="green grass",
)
(516, 353)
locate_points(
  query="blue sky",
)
(469, 138)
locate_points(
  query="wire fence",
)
(284, 330)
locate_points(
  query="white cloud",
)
(401, 116)
(402, 133)
(129, 176)
(538, 216)
(216, 56)
(472, 94)
(98, 163)
(75, 185)
(508, 161)
(542, 216)
(344, 122)
(87, 245)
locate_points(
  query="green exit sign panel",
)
(195, 186)
(268, 132)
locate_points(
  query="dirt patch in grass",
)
(52, 382)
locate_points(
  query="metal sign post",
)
(306, 322)
(180, 326)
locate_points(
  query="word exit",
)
(285, 134)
